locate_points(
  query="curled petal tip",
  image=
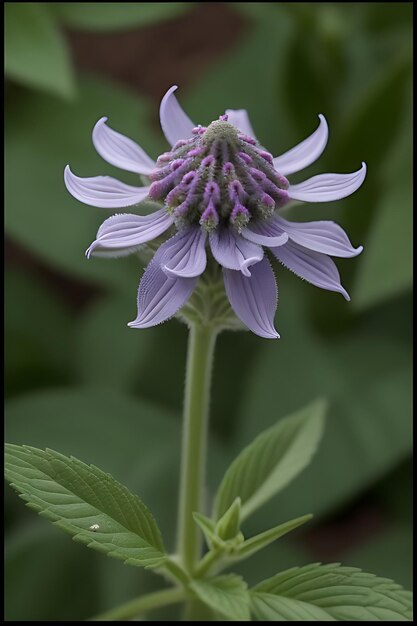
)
(345, 294)
(247, 263)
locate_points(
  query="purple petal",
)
(103, 191)
(240, 119)
(267, 232)
(305, 152)
(121, 235)
(184, 255)
(233, 251)
(159, 296)
(120, 150)
(315, 267)
(321, 236)
(174, 122)
(254, 298)
(327, 187)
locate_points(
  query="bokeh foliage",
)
(79, 381)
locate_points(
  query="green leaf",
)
(43, 135)
(364, 371)
(32, 551)
(249, 77)
(92, 423)
(386, 268)
(107, 351)
(36, 353)
(85, 502)
(227, 595)
(269, 608)
(330, 592)
(270, 462)
(111, 16)
(35, 51)
(258, 542)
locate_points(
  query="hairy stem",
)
(142, 605)
(196, 408)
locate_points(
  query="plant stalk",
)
(201, 344)
(141, 605)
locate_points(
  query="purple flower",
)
(221, 194)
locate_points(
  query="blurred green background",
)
(79, 381)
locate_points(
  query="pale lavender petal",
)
(233, 251)
(103, 191)
(305, 152)
(315, 267)
(174, 122)
(121, 235)
(327, 187)
(321, 236)
(120, 150)
(240, 119)
(185, 253)
(267, 232)
(254, 298)
(159, 296)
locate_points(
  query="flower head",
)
(221, 193)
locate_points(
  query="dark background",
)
(79, 381)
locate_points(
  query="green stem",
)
(141, 605)
(196, 403)
(207, 563)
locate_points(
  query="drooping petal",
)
(185, 254)
(267, 232)
(121, 235)
(327, 187)
(174, 122)
(103, 191)
(305, 152)
(321, 236)
(240, 119)
(233, 251)
(254, 298)
(159, 296)
(119, 150)
(315, 267)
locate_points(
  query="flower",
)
(221, 193)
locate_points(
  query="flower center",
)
(219, 175)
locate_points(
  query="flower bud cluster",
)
(219, 175)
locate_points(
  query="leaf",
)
(364, 371)
(87, 503)
(258, 542)
(43, 135)
(32, 551)
(107, 351)
(270, 462)
(386, 268)
(267, 607)
(226, 595)
(340, 593)
(35, 51)
(114, 431)
(37, 352)
(249, 77)
(111, 17)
